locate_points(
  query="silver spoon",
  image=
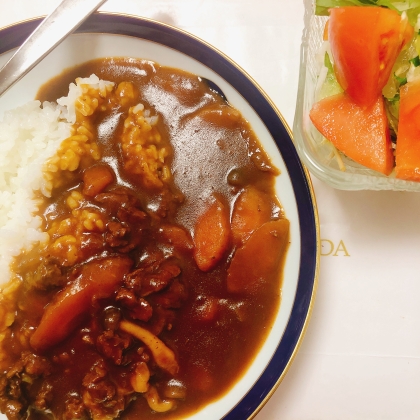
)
(68, 15)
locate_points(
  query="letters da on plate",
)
(329, 248)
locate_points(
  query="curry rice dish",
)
(157, 272)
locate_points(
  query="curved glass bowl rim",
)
(122, 24)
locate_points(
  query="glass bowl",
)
(319, 156)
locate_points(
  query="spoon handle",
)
(68, 15)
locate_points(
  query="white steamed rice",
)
(29, 135)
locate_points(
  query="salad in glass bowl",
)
(357, 121)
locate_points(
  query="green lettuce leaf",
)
(411, 7)
(330, 86)
(392, 109)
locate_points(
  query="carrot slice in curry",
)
(176, 236)
(252, 208)
(95, 179)
(98, 280)
(211, 235)
(259, 257)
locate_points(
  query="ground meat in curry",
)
(162, 274)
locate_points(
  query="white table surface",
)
(360, 358)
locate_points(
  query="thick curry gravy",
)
(148, 253)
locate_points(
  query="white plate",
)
(105, 35)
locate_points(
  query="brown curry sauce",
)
(214, 331)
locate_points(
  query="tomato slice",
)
(365, 42)
(362, 134)
(408, 138)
